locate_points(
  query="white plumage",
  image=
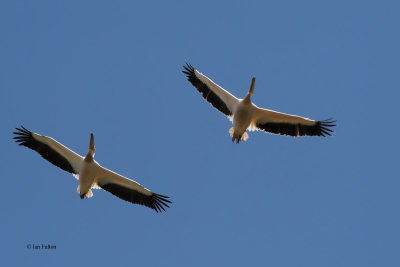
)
(247, 116)
(89, 173)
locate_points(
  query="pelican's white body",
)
(241, 119)
(87, 177)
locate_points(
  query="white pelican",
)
(89, 173)
(245, 115)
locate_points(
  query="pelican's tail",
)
(238, 138)
(88, 194)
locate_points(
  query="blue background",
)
(114, 68)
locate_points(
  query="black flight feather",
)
(320, 128)
(154, 201)
(25, 138)
(207, 93)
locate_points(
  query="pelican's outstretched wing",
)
(285, 124)
(212, 92)
(49, 149)
(131, 191)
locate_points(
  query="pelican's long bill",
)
(247, 116)
(89, 173)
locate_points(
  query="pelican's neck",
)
(90, 155)
(247, 99)
(251, 90)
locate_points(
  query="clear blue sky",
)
(114, 68)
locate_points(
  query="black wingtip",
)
(160, 202)
(22, 130)
(325, 126)
(22, 135)
(188, 70)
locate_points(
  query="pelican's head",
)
(251, 90)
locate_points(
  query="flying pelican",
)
(89, 173)
(247, 116)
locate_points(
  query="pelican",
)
(89, 173)
(247, 116)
